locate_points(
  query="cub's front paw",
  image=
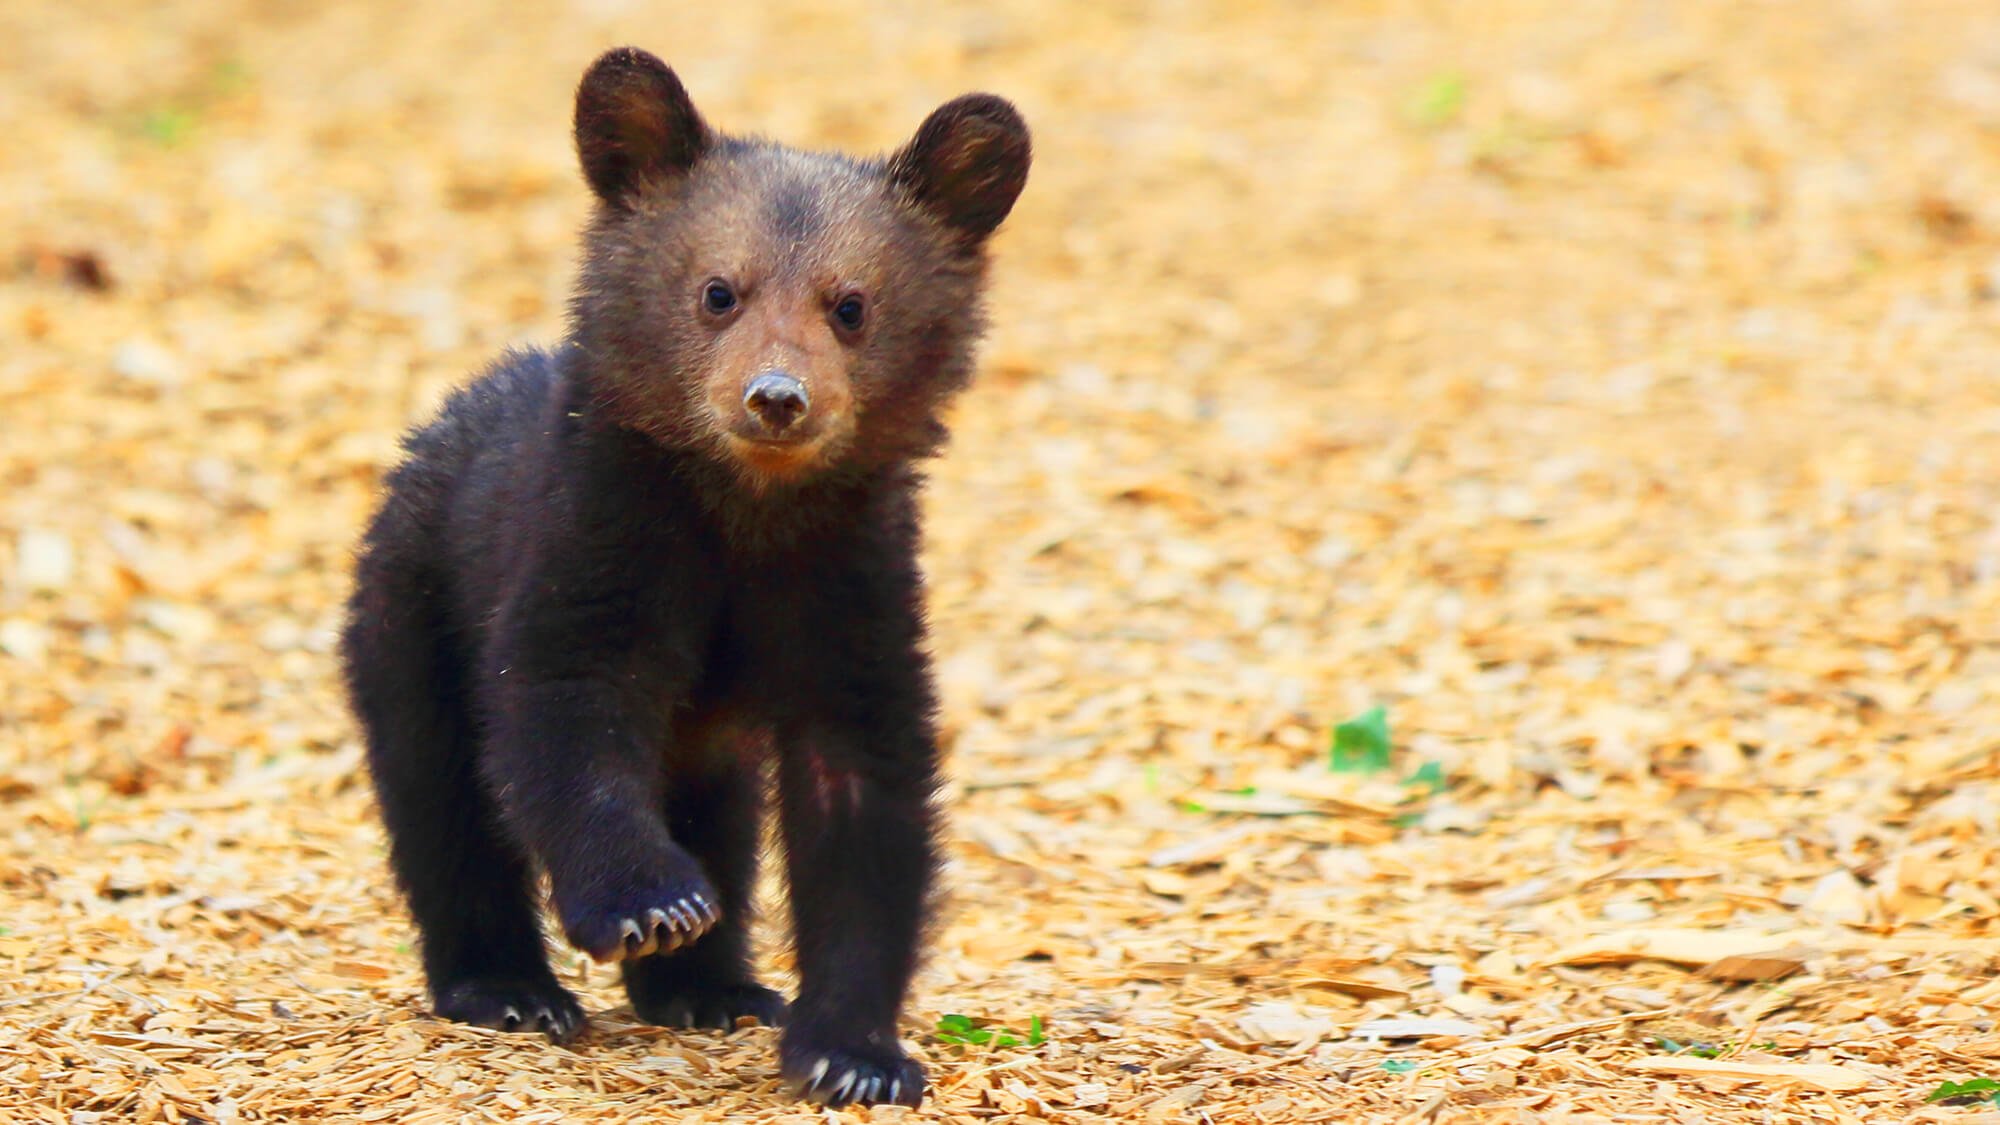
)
(640, 922)
(850, 1075)
(508, 1004)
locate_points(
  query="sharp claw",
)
(513, 1016)
(628, 930)
(867, 1090)
(819, 1072)
(895, 1091)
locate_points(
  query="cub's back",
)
(472, 461)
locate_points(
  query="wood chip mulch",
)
(1606, 391)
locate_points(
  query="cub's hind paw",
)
(840, 1077)
(645, 923)
(513, 1005)
(717, 1008)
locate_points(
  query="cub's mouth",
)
(776, 457)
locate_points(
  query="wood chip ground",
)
(1607, 390)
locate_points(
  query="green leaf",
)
(1246, 791)
(1361, 744)
(1191, 806)
(1440, 100)
(1983, 1089)
(1429, 776)
(1400, 1066)
(167, 125)
(966, 1032)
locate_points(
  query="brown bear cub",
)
(612, 581)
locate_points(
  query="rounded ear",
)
(634, 123)
(967, 163)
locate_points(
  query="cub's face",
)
(782, 312)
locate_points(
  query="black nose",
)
(777, 400)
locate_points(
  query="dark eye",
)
(718, 298)
(850, 312)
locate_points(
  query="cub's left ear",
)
(634, 125)
(967, 163)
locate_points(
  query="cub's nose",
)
(776, 400)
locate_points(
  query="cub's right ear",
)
(634, 124)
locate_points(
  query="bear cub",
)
(615, 584)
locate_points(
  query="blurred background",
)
(1606, 391)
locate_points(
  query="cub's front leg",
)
(859, 832)
(573, 757)
(857, 777)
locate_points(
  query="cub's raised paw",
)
(643, 923)
(853, 1077)
(720, 1008)
(510, 1004)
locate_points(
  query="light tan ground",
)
(1609, 390)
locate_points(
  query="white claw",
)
(895, 1090)
(627, 928)
(657, 917)
(840, 1091)
(512, 1014)
(867, 1090)
(819, 1072)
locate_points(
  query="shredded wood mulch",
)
(1606, 391)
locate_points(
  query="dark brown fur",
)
(610, 583)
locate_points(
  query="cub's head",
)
(784, 313)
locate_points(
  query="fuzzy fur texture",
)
(605, 597)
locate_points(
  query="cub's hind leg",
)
(468, 887)
(715, 812)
